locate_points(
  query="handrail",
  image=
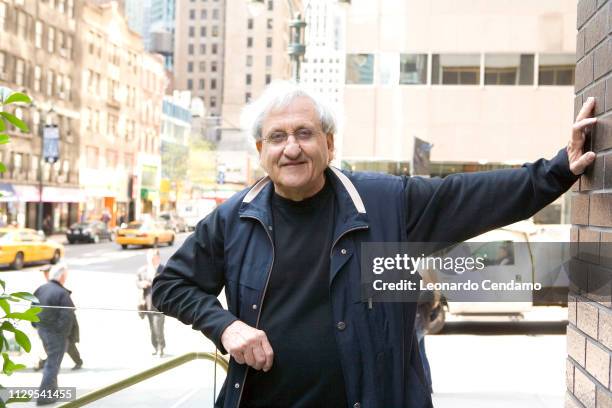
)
(144, 375)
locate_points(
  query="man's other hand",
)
(578, 160)
(248, 345)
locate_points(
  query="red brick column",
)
(589, 333)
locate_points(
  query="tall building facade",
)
(38, 56)
(154, 21)
(199, 49)
(489, 85)
(121, 90)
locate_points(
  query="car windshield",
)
(135, 225)
(80, 225)
(5, 236)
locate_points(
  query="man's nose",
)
(292, 148)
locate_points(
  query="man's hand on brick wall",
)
(578, 160)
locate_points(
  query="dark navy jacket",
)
(232, 249)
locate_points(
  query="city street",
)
(474, 364)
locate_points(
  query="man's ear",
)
(330, 146)
(258, 145)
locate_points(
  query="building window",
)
(248, 79)
(268, 78)
(249, 61)
(20, 72)
(202, 84)
(67, 88)
(359, 68)
(269, 24)
(204, 14)
(250, 24)
(37, 78)
(509, 69)
(190, 67)
(215, 14)
(556, 69)
(3, 9)
(70, 8)
(249, 42)
(455, 69)
(192, 31)
(413, 69)
(213, 83)
(51, 39)
(213, 101)
(270, 5)
(214, 48)
(190, 49)
(268, 61)
(22, 24)
(2, 62)
(203, 31)
(269, 42)
(38, 34)
(213, 66)
(192, 14)
(202, 49)
(92, 157)
(215, 31)
(50, 79)
(202, 66)
(190, 84)
(247, 97)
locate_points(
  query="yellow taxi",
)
(19, 246)
(145, 233)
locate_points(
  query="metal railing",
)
(144, 375)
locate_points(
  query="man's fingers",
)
(238, 356)
(587, 109)
(578, 166)
(260, 357)
(249, 359)
(582, 126)
(269, 353)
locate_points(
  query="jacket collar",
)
(351, 210)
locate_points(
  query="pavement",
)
(511, 368)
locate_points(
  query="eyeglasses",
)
(302, 135)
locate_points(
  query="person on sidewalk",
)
(288, 249)
(145, 277)
(73, 338)
(54, 328)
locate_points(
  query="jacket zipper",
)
(261, 301)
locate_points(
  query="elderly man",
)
(55, 326)
(287, 251)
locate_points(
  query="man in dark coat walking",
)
(55, 327)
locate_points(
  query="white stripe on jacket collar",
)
(348, 185)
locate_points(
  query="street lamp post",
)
(297, 25)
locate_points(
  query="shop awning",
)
(63, 195)
(27, 193)
(7, 192)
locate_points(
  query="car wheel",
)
(123, 246)
(18, 262)
(56, 257)
(71, 241)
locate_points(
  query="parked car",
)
(90, 231)
(173, 222)
(145, 233)
(20, 246)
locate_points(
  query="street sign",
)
(51, 143)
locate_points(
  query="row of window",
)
(214, 66)
(204, 14)
(214, 49)
(202, 84)
(268, 42)
(249, 61)
(24, 166)
(94, 158)
(460, 69)
(24, 74)
(251, 24)
(37, 32)
(214, 31)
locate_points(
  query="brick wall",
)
(589, 333)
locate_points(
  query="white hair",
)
(278, 95)
(57, 271)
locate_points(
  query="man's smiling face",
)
(296, 165)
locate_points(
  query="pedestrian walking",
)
(54, 328)
(145, 277)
